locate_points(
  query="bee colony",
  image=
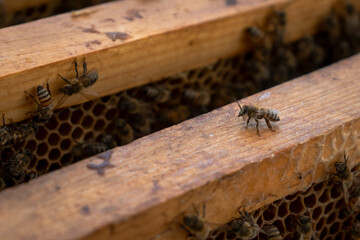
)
(55, 137)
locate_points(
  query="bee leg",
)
(48, 87)
(257, 127)
(32, 97)
(268, 124)
(67, 81)
(247, 123)
(76, 69)
(84, 67)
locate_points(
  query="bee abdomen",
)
(90, 79)
(273, 233)
(43, 96)
(271, 115)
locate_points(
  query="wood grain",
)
(210, 159)
(164, 37)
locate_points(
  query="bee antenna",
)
(238, 104)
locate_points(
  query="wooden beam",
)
(210, 159)
(161, 38)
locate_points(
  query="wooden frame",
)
(149, 46)
(210, 159)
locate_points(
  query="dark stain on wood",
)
(133, 14)
(89, 44)
(90, 29)
(100, 168)
(109, 20)
(156, 187)
(117, 35)
(85, 210)
(231, 2)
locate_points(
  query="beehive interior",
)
(137, 112)
(323, 202)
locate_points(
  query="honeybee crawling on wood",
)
(253, 111)
(195, 225)
(77, 84)
(304, 228)
(17, 164)
(273, 232)
(245, 227)
(45, 105)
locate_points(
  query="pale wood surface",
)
(210, 158)
(165, 37)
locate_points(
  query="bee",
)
(126, 132)
(355, 230)
(140, 123)
(261, 42)
(304, 228)
(253, 111)
(195, 225)
(197, 97)
(245, 227)
(90, 148)
(273, 232)
(175, 115)
(77, 84)
(45, 105)
(276, 26)
(16, 134)
(16, 166)
(344, 176)
(309, 54)
(5, 133)
(156, 93)
(128, 104)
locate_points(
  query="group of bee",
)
(246, 228)
(12, 134)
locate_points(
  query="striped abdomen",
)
(273, 233)
(89, 79)
(43, 96)
(271, 114)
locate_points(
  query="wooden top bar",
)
(210, 159)
(153, 39)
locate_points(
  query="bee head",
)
(193, 222)
(243, 110)
(341, 167)
(304, 219)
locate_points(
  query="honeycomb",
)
(133, 113)
(323, 202)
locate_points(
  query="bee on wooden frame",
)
(77, 84)
(44, 105)
(17, 164)
(245, 226)
(195, 225)
(128, 104)
(5, 133)
(253, 111)
(126, 132)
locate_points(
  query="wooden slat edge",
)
(210, 159)
(165, 37)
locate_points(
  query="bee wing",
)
(87, 73)
(89, 95)
(61, 101)
(346, 193)
(264, 96)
